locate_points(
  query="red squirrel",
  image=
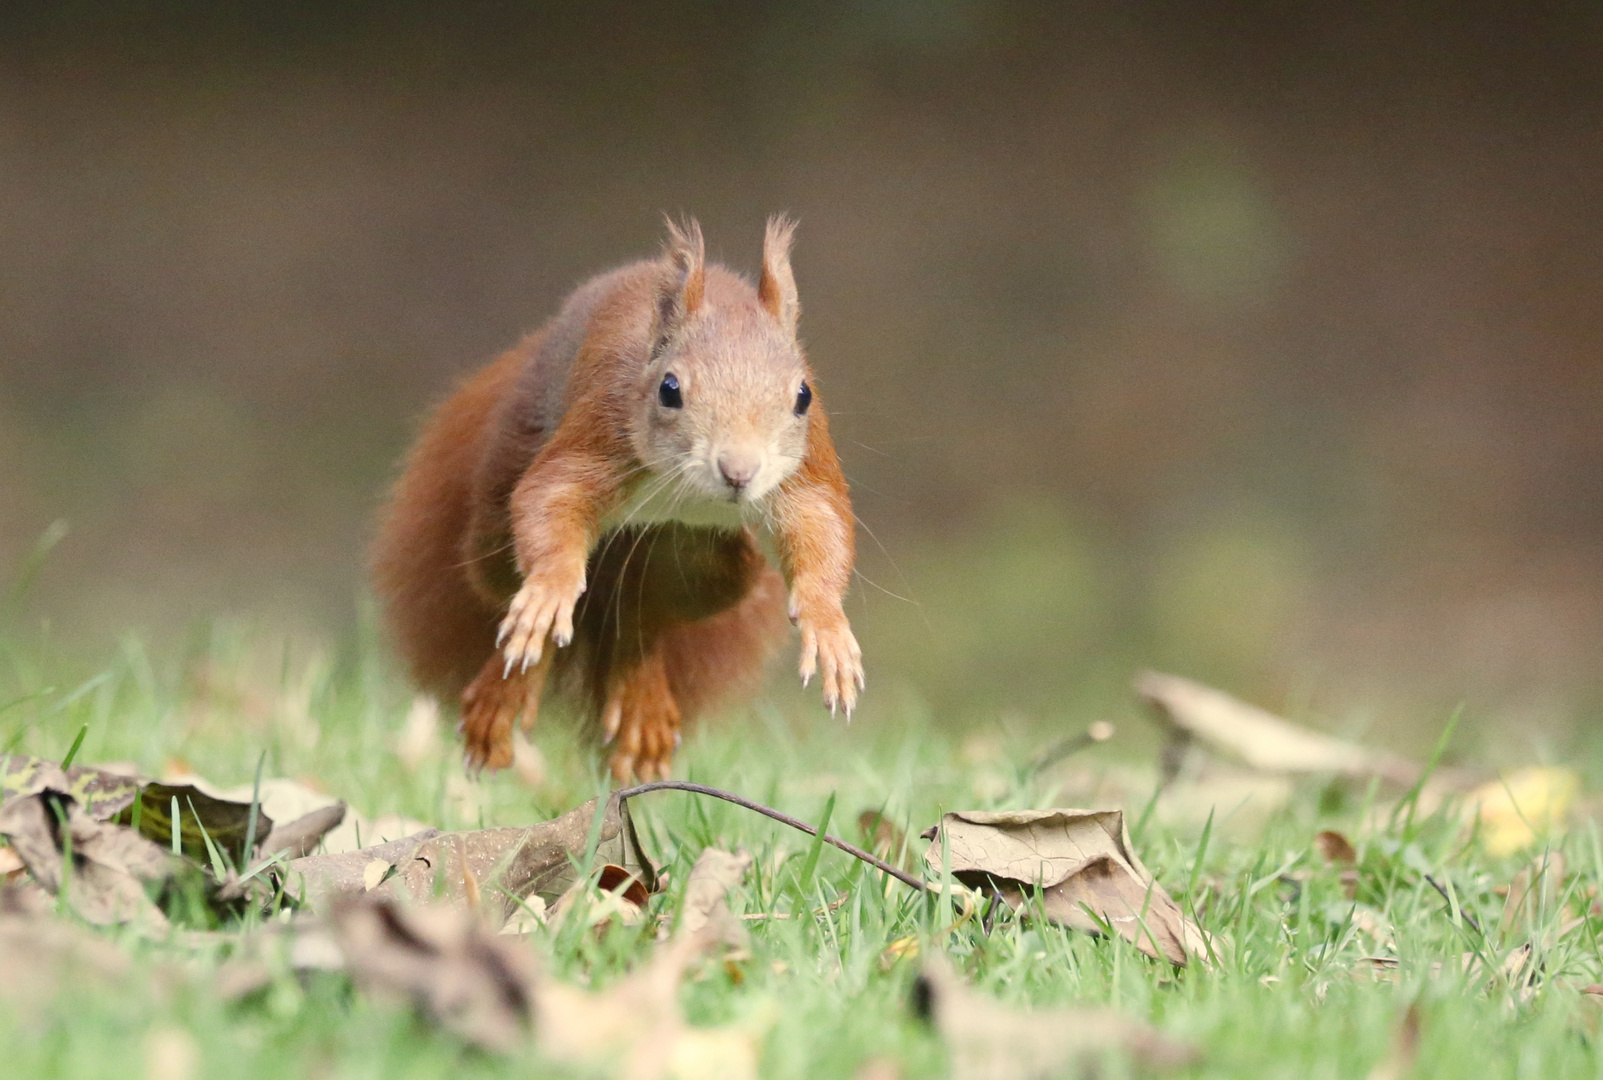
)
(584, 514)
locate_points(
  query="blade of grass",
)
(1410, 799)
(219, 865)
(72, 751)
(255, 808)
(805, 876)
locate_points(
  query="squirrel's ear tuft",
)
(686, 252)
(777, 289)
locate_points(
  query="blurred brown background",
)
(1261, 342)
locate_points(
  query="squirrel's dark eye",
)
(668, 393)
(804, 398)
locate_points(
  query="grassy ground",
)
(1291, 998)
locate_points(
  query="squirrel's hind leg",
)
(641, 720)
(490, 705)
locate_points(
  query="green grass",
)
(1285, 1000)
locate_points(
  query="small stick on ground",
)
(1467, 916)
(768, 811)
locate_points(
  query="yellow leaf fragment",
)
(373, 873)
(1514, 810)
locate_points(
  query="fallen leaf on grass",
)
(991, 1041)
(882, 837)
(299, 838)
(109, 864)
(1335, 848)
(1079, 860)
(617, 894)
(1514, 810)
(99, 794)
(483, 986)
(1534, 892)
(42, 955)
(1259, 738)
(706, 911)
(512, 863)
(201, 816)
(443, 961)
(1399, 1061)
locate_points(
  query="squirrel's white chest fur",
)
(652, 503)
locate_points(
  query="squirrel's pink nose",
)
(738, 465)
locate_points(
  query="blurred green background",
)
(1263, 343)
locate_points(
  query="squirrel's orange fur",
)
(602, 486)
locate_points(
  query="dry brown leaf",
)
(1335, 848)
(1259, 738)
(618, 895)
(101, 793)
(1339, 851)
(636, 1026)
(509, 863)
(42, 955)
(109, 862)
(1399, 1061)
(635, 1029)
(299, 838)
(484, 987)
(1534, 892)
(443, 961)
(226, 821)
(884, 838)
(991, 1041)
(1079, 860)
(706, 911)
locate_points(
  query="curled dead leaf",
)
(617, 894)
(440, 959)
(202, 814)
(508, 865)
(706, 914)
(991, 1041)
(104, 880)
(100, 793)
(1259, 738)
(298, 838)
(1084, 866)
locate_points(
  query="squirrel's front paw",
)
(831, 646)
(543, 606)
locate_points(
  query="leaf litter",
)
(1078, 868)
(415, 917)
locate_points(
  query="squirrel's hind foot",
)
(641, 720)
(490, 706)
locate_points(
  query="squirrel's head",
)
(723, 402)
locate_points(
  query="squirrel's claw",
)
(833, 651)
(542, 608)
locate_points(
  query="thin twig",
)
(1467, 916)
(768, 811)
